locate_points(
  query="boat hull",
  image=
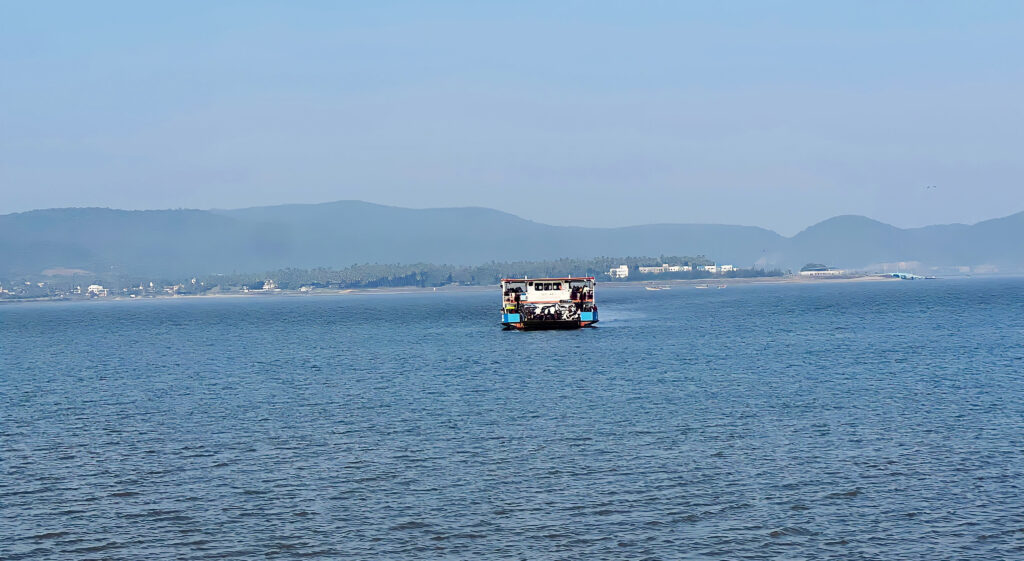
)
(516, 321)
(545, 325)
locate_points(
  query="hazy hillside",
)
(353, 231)
(851, 241)
(153, 241)
(346, 232)
(856, 241)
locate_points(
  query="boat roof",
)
(549, 279)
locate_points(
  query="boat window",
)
(558, 286)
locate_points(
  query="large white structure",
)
(664, 268)
(619, 272)
(716, 268)
(823, 273)
(96, 290)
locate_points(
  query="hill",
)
(338, 234)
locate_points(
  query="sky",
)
(774, 114)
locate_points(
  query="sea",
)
(829, 420)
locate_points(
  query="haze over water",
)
(831, 421)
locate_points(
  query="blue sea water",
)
(823, 421)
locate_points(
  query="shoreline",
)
(607, 285)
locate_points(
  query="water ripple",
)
(832, 421)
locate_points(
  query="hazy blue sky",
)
(776, 114)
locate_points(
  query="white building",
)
(823, 273)
(716, 268)
(664, 268)
(96, 290)
(619, 272)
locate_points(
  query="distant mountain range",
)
(338, 234)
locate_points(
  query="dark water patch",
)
(844, 494)
(97, 548)
(608, 512)
(22, 492)
(155, 514)
(238, 553)
(49, 535)
(71, 511)
(328, 553)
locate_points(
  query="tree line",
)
(377, 275)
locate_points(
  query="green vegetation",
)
(368, 275)
(814, 267)
(427, 275)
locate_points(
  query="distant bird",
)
(929, 187)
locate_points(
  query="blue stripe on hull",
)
(516, 321)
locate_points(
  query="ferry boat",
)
(556, 303)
